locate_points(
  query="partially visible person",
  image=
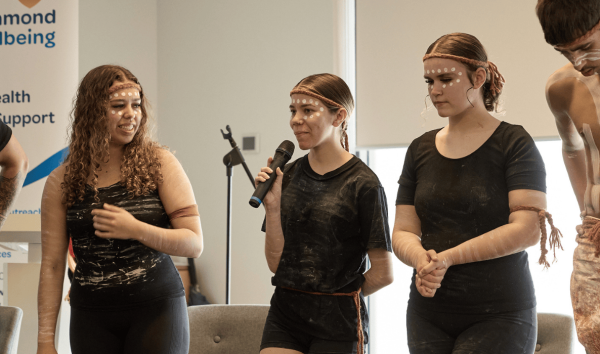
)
(127, 205)
(573, 95)
(324, 214)
(14, 164)
(468, 206)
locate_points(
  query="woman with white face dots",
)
(324, 213)
(468, 205)
(126, 204)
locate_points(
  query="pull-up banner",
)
(38, 80)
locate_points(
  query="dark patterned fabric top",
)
(460, 199)
(113, 273)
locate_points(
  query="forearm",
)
(502, 241)
(574, 160)
(274, 239)
(11, 181)
(381, 272)
(407, 247)
(49, 300)
(180, 242)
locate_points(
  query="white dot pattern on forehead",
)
(311, 101)
(123, 94)
(439, 70)
(317, 103)
(116, 95)
(453, 69)
(129, 94)
(322, 109)
(303, 101)
(445, 70)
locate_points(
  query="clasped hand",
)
(431, 269)
(115, 222)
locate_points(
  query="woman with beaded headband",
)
(127, 204)
(324, 213)
(471, 199)
(573, 95)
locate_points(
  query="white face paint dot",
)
(116, 95)
(460, 73)
(311, 116)
(120, 112)
(303, 101)
(439, 70)
(113, 112)
(445, 70)
(453, 69)
(317, 103)
(305, 117)
(123, 94)
(428, 71)
(311, 101)
(457, 80)
(318, 114)
(444, 86)
(322, 109)
(451, 84)
(129, 94)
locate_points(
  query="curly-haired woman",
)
(127, 204)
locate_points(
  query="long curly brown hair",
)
(89, 140)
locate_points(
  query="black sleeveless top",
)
(113, 273)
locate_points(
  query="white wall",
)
(234, 62)
(121, 33)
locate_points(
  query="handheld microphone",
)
(282, 155)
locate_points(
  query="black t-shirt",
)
(329, 222)
(460, 199)
(5, 134)
(114, 273)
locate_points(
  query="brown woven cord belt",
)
(591, 228)
(360, 345)
(554, 241)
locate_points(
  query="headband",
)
(317, 96)
(124, 86)
(580, 39)
(496, 79)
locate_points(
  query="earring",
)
(467, 94)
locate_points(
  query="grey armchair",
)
(555, 334)
(10, 327)
(226, 329)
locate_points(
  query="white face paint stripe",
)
(593, 55)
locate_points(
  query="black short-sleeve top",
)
(115, 273)
(459, 199)
(5, 134)
(329, 222)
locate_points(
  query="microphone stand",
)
(233, 158)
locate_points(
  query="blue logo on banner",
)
(43, 170)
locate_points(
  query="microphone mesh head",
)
(287, 146)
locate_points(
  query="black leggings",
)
(161, 327)
(452, 333)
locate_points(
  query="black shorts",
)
(159, 327)
(455, 333)
(292, 324)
